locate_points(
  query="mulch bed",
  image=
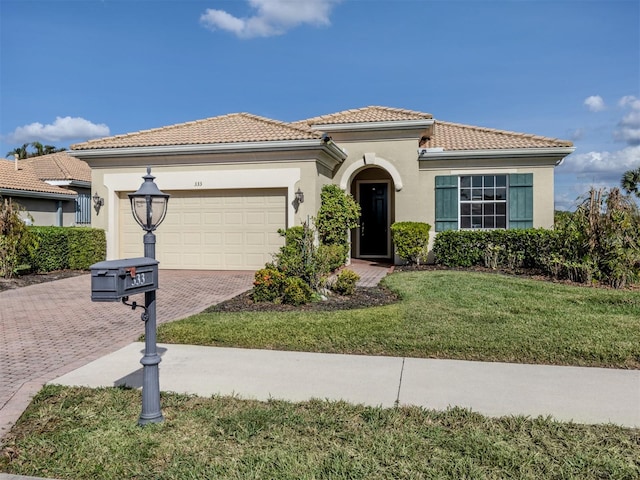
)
(37, 278)
(363, 297)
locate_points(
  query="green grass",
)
(448, 314)
(80, 433)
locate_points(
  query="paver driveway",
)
(50, 329)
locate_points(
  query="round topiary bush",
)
(345, 283)
(296, 291)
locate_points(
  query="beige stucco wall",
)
(44, 212)
(415, 200)
(288, 174)
(413, 181)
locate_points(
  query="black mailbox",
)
(113, 279)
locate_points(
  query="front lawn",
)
(80, 433)
(447, 314)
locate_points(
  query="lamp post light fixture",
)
(149, 207)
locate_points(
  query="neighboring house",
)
(233, 181)
(53, 189)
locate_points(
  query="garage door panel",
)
(212, 218)
(212, 229)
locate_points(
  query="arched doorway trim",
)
(370, 159)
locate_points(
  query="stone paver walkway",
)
(50, 329)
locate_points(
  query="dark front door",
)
(374, 220)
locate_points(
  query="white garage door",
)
(211, 229)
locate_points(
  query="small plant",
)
(268, 285)
(515, 259)
(16, 242)
(296, 291)
(492, 255)
(411, 240)
(345, 283)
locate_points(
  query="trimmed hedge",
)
(63, 248)
(411, 240)
(529, 248)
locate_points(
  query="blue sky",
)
(570, 69)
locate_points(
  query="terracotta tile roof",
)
(455, 136)
(231, 128)
(365, 115)
(59, 166)
(25, 178)
(450, 136)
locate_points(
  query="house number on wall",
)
(197, 184)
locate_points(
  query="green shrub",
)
(411, 240)
(331, 257)
(345, 283)
(53, 249)
(16, 241)
(296, 291)
(297, 257)
(338, 213)
(529, 248)
(268, 285)
(86, 247)
(61, 248)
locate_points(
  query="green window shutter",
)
(521, 200)
(446, 203)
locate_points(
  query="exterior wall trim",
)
(33, 194)
(393, 125)
(548, 152)
(371, 159)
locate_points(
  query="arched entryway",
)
(373, 188)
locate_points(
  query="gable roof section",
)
(369, 114)
(231, 128)
(59, 166)
(455, 136)
(25, 180)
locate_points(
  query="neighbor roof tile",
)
(25, 178)
(59, 166)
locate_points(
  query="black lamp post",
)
(149, 207)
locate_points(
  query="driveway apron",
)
(49, 329)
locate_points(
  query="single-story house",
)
(53, 189)
(233, 181)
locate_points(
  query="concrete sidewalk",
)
(582, 395)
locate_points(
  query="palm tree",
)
(20, 152)
(630, 182)
(40, 149)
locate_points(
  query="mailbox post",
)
(149, 207)
(115, 280)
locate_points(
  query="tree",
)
(20, 152)
(39, 150)
(630, 182)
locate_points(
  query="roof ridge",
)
(279, 123)
(355, 111)
(500, 131)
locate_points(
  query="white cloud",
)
(629, 127)
(273, 17)
(595, 103)
(63, 128)
(630, 101)
(602, 163)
